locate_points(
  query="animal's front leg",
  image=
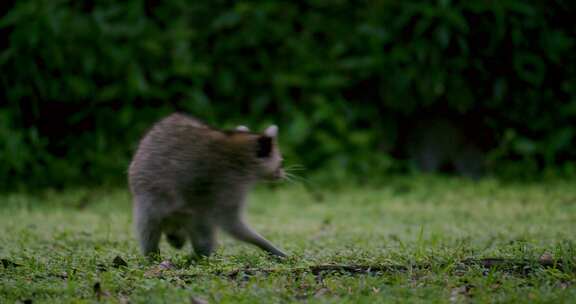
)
(148, 228)
(238, 229)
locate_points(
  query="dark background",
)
(350, 83)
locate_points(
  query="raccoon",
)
(189, 180)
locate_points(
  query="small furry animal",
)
(188, 179)
(439, 143)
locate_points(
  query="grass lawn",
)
(418, 239)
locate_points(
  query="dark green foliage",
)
(81, 80)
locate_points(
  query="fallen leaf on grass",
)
(119, 262)
(7, 263)
(321, 292)
(159, 269)
(63, 275)
(496, 285)
(546, 259)
(167, 265)
(98, 292)
(101, 267)
(459, 293)
(122, 299)
(196, 300)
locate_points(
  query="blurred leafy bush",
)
(81, 80)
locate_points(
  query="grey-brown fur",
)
(188, 179)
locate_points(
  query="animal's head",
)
(266, 152)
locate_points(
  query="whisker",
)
(294, 169)
(295, 166)
(295, 178)
(289, 179)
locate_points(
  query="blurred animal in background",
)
(435, 143)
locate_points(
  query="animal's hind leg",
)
(148, 225)
(238, 229)
(203, 238)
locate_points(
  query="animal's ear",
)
(271, 131)
(242, 128)
(264, 146)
